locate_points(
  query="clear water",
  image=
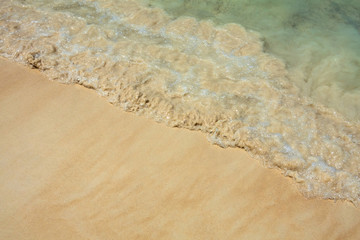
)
(318, 39)
(244, 88)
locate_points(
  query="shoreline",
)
(193, 75)
(76, 167)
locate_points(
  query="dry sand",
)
(73, 166)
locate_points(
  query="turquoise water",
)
(318, 39)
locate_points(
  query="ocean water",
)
(319, 40)
(277, 78)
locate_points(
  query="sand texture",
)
(72, 166)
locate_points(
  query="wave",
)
(190, 74)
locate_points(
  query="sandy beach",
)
(75, 167)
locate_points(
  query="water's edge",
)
(193, 75)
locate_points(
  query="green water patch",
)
(318, 40)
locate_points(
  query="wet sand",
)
(72, 166)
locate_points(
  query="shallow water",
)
(318, 39)
(194, 74)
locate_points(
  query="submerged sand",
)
(75, 167)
